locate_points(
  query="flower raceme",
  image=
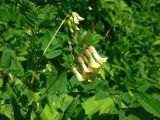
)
(73, 21)
(91, 67)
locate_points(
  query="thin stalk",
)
(54, 35)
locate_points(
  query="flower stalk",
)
(63, 21)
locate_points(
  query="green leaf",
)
(67, 100)
(125, 97)
(121, 115)
(53, 54)
(86, 38)
(1, 81)
(53, 110)
(93, 106)
(15, 64)
(60, 84)
(107, 106)
(6, 58)
(101, 95)
(132, 117)
(10, 61)
(51, 79)
(149, 103)
(48, 113)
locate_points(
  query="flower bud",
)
(92, 63)
(69, 23)
(49, 67)
(76, 20)
(71, 18)
(78, 75)
(77, 17)
(98, 58)
(90, 8)
(89, 81)
(80, 18)
(71, 30)
(29, 32)
(75, 27)
(74, 14)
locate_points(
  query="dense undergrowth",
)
(41, 85)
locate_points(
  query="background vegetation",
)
(37, 86)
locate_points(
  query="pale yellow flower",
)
(71, 30)
(75, 27)
(98, 58)
(78, 75)
(92, 63)
(85, 68)
(77, 17)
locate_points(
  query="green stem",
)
(54, 35)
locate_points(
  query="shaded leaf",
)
(6, 58)
(60, 85)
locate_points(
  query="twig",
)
(107, 33)
(32, 81)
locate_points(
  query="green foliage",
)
(38, 85)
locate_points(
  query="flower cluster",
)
(73, 21)
(91, 64)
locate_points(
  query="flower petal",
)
(78, 75)
(92, 63)
(98, 58)
(85, 68)
(76, 20)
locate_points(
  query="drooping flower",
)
(92, 63)
(76, 20)
(98, 58)
(85, 68)
(77, 17)
(78, 75)
(76, 28)
(71, 30)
